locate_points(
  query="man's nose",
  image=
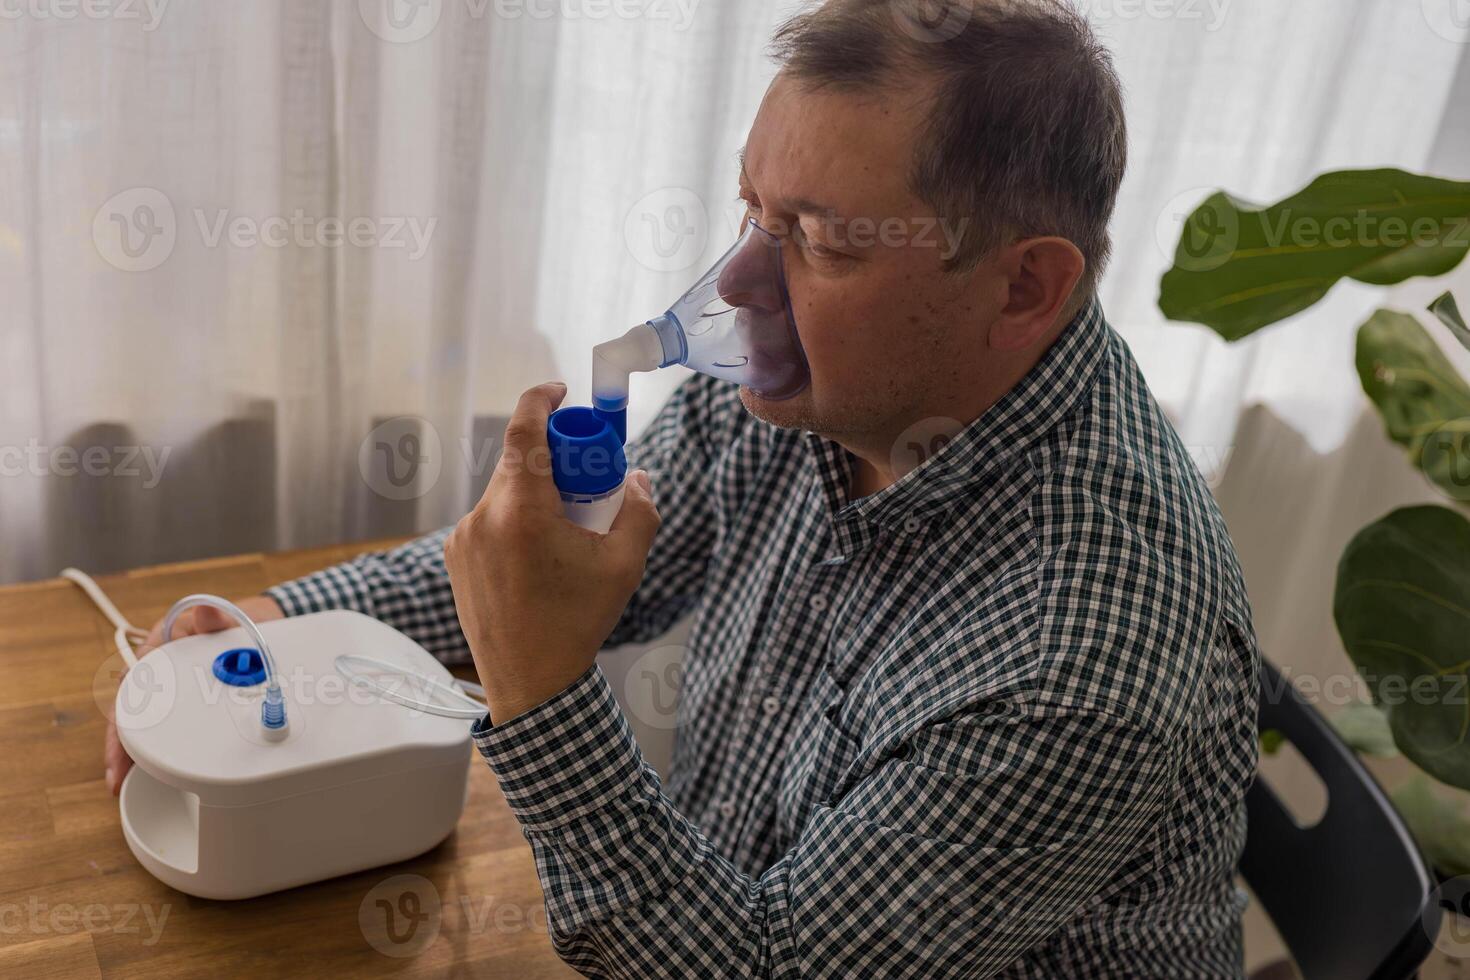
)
(752, 277)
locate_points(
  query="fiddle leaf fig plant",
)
(1402, 595)
(1241, 266)
(1424, 402)
(1401, 610)
(1448, 312)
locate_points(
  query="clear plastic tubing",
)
(273, 708)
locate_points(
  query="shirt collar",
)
(983, 448)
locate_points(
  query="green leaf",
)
(1424, 402)
(1439, 825)
(1271, 739)
(1239, 266)
(1449, 314)
(1365, 728)
(1402, 606)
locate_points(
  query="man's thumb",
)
(208, 619)
(638, 516)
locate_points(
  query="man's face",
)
(887, 331)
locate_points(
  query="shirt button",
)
(727, 809)
(771, 705)
(818, 601)
(913, 525)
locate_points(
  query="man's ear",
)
(1042, 274)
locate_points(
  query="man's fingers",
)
(200, 619)
(637, 521)
(525, 466)
(115, 758)
(208, 619)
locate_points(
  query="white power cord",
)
(127, 635)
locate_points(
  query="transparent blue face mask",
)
(736, 321)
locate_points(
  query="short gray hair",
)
(1025, 133)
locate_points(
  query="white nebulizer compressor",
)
(273, 755)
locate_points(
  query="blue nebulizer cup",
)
(587, 465)
(734, 323)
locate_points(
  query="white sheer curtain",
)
(1277, 94)
(514, 181)
(494, 156)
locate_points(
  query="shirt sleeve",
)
(973, 842)
(408, 588)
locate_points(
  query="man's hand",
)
(536, 594)
(200, 619)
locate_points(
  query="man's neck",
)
(874, 455)
(867, 480)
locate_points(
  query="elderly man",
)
(971, 686)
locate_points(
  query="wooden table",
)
(75, 902)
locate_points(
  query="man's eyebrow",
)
(800, 205)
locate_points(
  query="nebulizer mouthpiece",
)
(734, 323)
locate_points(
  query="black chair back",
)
(1351, 896)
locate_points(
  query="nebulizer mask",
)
(735, 323)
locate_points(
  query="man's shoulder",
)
(1138, 589)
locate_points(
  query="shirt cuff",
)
(568, 757)
(338, 587)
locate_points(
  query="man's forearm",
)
(884, 880)
(649, 896)
(405, 587)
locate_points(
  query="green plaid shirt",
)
(997, 719)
